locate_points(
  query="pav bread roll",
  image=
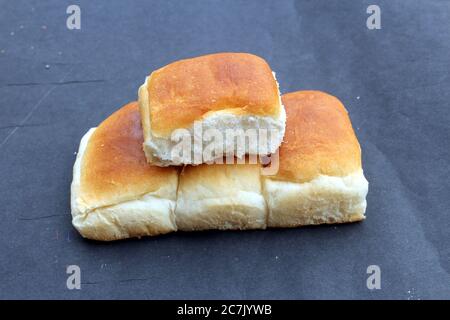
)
(115, 193)
(223, 91)
(320, 179)
(220, 196)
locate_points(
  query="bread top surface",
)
(219, 180)
(319, 138)
(114, 168)
(191, 89)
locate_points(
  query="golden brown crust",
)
(217, 178)
(319, 138)
(188, 90)
(114, 168)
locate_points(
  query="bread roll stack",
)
(127, 184)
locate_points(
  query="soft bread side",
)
(220, 196)
(325, 199)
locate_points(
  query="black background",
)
(57, 83)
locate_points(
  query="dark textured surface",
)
(394, 81)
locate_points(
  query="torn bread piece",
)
(320, 179)
(115, 193)
(220, 196)
(220, 92)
